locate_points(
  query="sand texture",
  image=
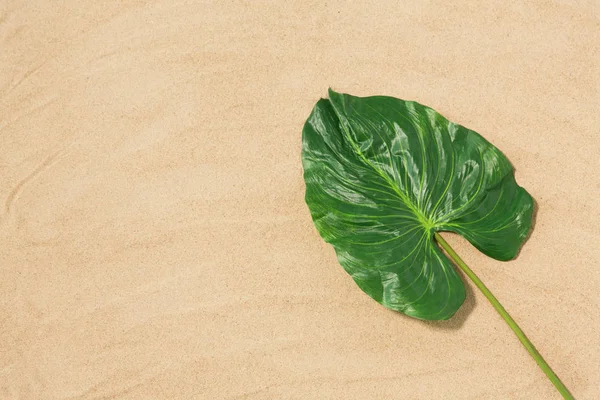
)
(154, 240)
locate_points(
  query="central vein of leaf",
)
(425, 221)
(428, 224)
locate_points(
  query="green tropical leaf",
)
(383, 175)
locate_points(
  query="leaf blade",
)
(382, 175)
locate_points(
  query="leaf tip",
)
(333, 94)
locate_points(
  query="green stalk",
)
(511, 322)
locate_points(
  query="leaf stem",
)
(504, 314)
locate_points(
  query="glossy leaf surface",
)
(382, 175)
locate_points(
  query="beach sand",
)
(154, 239)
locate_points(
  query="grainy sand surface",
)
(154, 241)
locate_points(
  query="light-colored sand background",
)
(154, 241)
